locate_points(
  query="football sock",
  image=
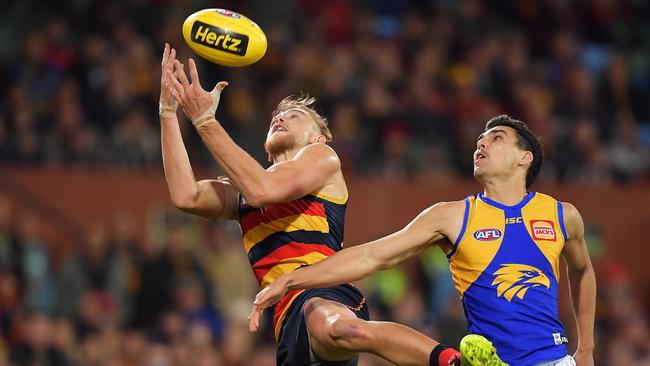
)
(443, 355)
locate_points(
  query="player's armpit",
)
(214, 199)
(310, 170)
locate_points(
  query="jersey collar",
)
(501, 206)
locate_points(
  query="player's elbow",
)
(186, 202)
(262, 197)
(259, 199)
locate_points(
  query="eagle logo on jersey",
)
(516, 279)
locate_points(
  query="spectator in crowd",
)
(397, 82)
(92, 284)
(36, 343)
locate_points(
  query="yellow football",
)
(224, 37)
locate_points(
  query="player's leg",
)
(336, 334)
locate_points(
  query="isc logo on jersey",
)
(542, 230)
(487, 234)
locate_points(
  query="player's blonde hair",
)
(304, 102)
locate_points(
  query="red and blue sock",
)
(443, 355)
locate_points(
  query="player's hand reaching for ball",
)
(167, 104)
(198, 104)
(269, 296)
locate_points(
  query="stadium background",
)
(97, 268)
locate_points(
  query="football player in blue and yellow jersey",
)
(291, 215)
(503, 245)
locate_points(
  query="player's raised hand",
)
(269, 296)
(167, 104)
(198, 104)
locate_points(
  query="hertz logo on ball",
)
(224, 37)
(219, 39)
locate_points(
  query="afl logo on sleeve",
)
(542, 230)
(487, 234)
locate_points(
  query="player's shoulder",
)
(570, 211)
(447, 209)
(319, 149)
(572, 220)
(450, 205)
(319, 154)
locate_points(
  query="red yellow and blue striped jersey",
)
(281, 238)
(505, 265)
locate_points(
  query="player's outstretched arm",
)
(308, 171)
(208, 198)
(582, 284)
(354, 263)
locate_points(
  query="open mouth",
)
(278, 128)
(479, 156)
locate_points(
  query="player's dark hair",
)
(526, 140)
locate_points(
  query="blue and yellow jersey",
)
(505, 264)
(281, 238)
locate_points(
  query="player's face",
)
(292, 128)
(497, 153)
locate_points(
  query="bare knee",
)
(348, 333)
(335, 330)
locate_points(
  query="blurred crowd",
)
(407, 87)
(113, 300)
(181, 297)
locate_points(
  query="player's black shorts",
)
(293, 348)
